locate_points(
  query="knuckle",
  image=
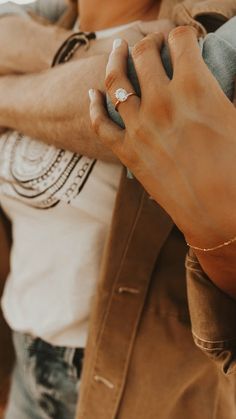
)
(96, 124)
(111, 79)
(142, 46)
(181, 31)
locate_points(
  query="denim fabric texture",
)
(45, 382)
(219, 53)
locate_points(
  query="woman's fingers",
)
(116, 78)
(184, 50)
(148, 64)
(107, 131)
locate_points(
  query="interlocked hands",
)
(179, 139)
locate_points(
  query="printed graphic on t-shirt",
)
(39, 174)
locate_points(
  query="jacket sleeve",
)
(204, 15)
(51, 10)
(6, 348)
(213, 317)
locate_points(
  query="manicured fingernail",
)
(91, 94)
(116, 43)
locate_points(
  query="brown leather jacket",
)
(162, 342)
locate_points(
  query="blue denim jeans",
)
(45, 381)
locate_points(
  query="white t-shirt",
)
(60, 205)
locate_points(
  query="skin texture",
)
(173, 138)
(52, 104)
(115, 13)
(42, 42)
(58, 116)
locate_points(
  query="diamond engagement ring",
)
(121, 96)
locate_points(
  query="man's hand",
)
(179, 142)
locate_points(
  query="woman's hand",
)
(180, 137)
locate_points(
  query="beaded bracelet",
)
(70, 46)
(210, 249)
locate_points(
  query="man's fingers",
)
(148, 64)
(107, 131)
(184, 49)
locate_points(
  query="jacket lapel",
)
(139, 229)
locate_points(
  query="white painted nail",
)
(91, 94)
(116, 43)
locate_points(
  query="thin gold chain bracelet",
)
(211, 249)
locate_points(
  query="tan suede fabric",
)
(190, 12)
(6, 350)
(141, 359)
(162, 342)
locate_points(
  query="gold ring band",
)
(122, 96)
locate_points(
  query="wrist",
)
(209, 219)
(209, 237)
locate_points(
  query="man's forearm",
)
(27, 46)
(53, 106)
